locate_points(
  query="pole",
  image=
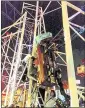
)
(69, 57)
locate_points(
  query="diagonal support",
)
(77, 33)
(75, 8)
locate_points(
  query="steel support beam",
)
(17, 61)
(69, 57)
(33, 54)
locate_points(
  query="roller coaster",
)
(31, 74)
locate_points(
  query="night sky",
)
(53, 23)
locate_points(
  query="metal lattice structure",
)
(20, 43)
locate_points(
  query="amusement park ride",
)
(32, 65)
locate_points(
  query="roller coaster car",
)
(46, 59)
(40, 43)
(46, 66)
(39, 59)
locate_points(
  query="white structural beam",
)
(76, 25)
(79, 87)
(62, 59)
(69, 57)
(77, 33)
(11, 70)
(43, 22)
(11, 35)
(52, 11)
(17, 60)
(5, 56)
(74, 15)
(46, 7)
(14, 24)
(35, 28)
(60, 52)
(61, 64)
(75, 8)
(33, 53)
